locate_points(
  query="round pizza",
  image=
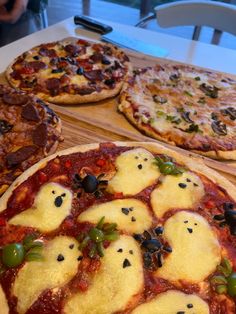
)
(70, 71)
(118, 228)
(185, 106)
(29, 131)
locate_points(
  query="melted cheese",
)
(135, 171)
(196, 251)
(131, 215)
(3, 302)
(169, 194)
(37, 276)
(45, 214)
(172, 302)
(114, 285)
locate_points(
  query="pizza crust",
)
(193, 163)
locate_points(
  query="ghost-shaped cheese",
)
(136, 170)
(182, 191)
(195, 248)
(3, 302)
(51, 206)
(59, 265)
(172, 302)
(131, 215)
(117, 281)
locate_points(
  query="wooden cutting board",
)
(101, 122)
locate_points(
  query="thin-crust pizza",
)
(29, 131)
(186, 106)
(118, 228)
(70, 71)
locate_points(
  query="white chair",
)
(218, 15)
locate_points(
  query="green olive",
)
(96, 235)
(13, 254)
(231, 287)
(167, 167)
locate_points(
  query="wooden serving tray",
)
(101, 122)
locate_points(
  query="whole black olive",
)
(89, 183)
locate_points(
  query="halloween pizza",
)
(70, 71)
(186, 106)
(118, 228)
(29, 131)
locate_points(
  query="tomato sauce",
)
(63, 169)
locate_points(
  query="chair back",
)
(220, 16)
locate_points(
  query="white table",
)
(182, 50)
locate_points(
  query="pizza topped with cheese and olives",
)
(118, 228)
(185, 106)
(70, 71)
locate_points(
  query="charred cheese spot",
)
(119, 278)
(135, 171)
(49, 209)
(182, 191)
(3, 302)
(131, 215)
(173, 302)
(37, 276)
(195, 255)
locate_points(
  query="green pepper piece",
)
(109, 227)
(96, 235)
(111, 236)
(100, 249)
(100, 223)
(218, 280)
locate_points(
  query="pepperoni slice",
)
(94, 75)
(15, 158)
(96, 57)
(30, 112)
(37, 65)
(53, 83)
(72, 49)
(47, 52)
(40, 135)
(15, 99)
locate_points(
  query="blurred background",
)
(128, 12)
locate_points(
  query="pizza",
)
(118, 228)
(185, 106)
(70, 71)
(29, 131)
